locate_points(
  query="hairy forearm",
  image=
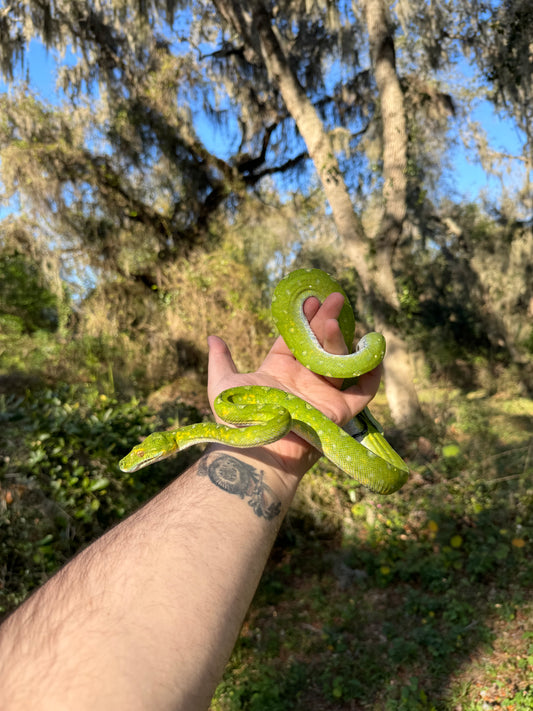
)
(147, 616)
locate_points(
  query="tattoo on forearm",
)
(244, 480)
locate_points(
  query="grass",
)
(417, 601)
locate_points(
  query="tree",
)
(288, 85)
(256, 26)
(495, 38)
(117, 166)
(25, 301)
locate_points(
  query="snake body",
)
(263, 415)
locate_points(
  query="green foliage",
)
(60, 486)
(26, 304)
(465, 297)
(152, 337)
(368, 601)
(263, 689)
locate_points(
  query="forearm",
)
(147, 616)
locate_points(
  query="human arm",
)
(147, 616)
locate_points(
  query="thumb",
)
(359, 395)
(220, 364)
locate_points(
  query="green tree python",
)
(258, 415)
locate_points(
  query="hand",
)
(281, 370)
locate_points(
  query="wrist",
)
(258, 475)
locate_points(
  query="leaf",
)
(101, 483)
(451, 450)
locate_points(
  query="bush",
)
(60, 486)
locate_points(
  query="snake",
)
(257, 415)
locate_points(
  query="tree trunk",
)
(399, 369)
(257, 30)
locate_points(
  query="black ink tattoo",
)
(242, 479)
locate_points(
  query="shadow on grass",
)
(385, 612)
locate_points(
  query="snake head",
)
(157, 446)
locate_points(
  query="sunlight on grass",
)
(417, 601)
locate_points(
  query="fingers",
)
(325, 325)
(323, 321)
(310, 307)
(220, 363)
(359, 395)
